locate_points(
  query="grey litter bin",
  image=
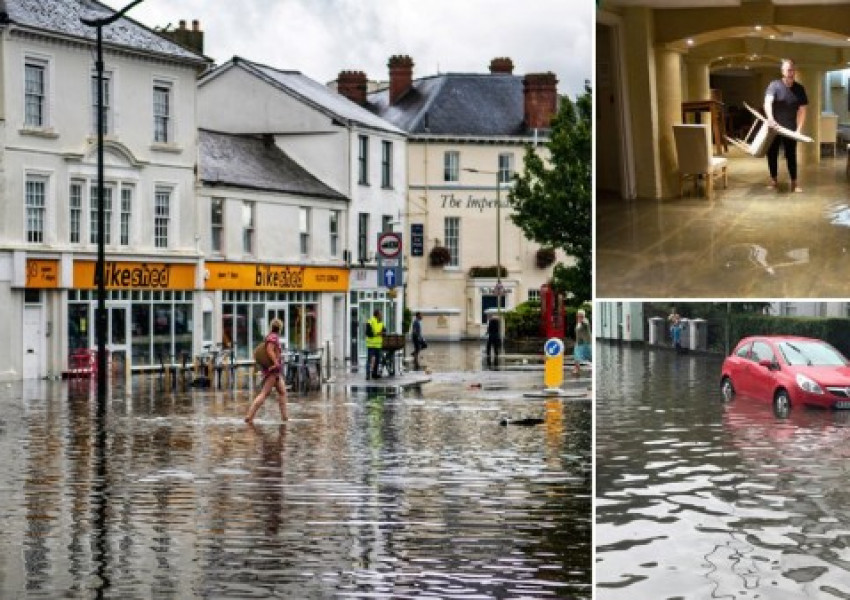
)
(698, 338)
(656, 331)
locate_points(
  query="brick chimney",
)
(193, 39)
(502, 64)
(352, 85)
(401, 76)
(541, 99)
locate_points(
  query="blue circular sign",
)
(553, 347)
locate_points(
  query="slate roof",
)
(312, 93)
(468, 104)
(63, 17)
(255, 162)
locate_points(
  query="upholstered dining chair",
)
(828, 130)
(693, 152)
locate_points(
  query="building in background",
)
(271, 239)
(467, 137)
(48, 189)
(354, 153)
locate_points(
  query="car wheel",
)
(727, 389)
(782, 404)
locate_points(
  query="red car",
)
(787, 371)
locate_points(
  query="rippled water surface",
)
(701, 499)
(359, 494)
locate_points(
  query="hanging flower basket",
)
(545, 257)
(439, 256)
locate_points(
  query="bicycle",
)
(303, 370)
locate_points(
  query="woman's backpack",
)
(261, 355)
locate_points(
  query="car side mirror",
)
(769, 364)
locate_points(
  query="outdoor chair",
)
(693, 152)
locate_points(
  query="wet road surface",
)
(373, 493)
(701, 499)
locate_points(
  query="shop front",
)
(149, 311)
(310, 301)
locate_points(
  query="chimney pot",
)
(401, 76)
(540, 99)
(353, 85)
(502, 64)
(196, 25)
(182, 23)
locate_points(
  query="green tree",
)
(551, 198)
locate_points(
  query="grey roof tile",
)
(63, 17)
(255, 162)
(458, 104)
(314, 93)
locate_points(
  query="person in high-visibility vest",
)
(374, 343)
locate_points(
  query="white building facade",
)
(48, 190)
(468, 137)
(356, 154)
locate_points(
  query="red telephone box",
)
(551, 313)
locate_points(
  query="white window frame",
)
(363, 236)
(363, 159)
(451, 166)
(333, 232)
(304, 230)
(125, 224)
(534, 294)
(162, 215)
(75, 211)
(109, 195)
(217, 226)
(44, 97)
(451, 230)
(386, 164)
(506, 167)
(248, 224)
(108, 96)
(35, 209)
(158, 86)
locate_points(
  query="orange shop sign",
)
(42, 273)
(275, 278)
(120, 275)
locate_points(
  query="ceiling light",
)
(690, 42)
(758, 27)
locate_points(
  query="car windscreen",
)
(813, 354)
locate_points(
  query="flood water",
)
(701, 499)
(360, 494)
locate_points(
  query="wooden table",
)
(718, 124)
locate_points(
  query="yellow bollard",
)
(553, 367)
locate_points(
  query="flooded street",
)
(364, 492)
(701, 499)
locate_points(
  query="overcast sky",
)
(322, 37)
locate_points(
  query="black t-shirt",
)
(786, 101)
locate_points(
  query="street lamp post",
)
(499, 288)
(100, 321)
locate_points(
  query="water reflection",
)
(371, 493)
(702, 499)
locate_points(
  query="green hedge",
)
(835, 331)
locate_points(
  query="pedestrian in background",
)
(494, 339)
(271, 374)
(675, 320)
(419, 342)
(374, 344)
(583, 350)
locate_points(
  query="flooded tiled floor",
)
(369, 494)
(748, 242)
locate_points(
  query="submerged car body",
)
(787, 371)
